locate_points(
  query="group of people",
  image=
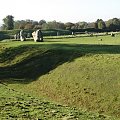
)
(37, 36)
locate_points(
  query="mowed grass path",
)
(81, 72)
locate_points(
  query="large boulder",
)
(22, 36)
(37, 36)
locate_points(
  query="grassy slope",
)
(71, 72)
(16, 105)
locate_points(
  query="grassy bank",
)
(18, 105)
(79, 72)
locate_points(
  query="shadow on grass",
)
(46, 58)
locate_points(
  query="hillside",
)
(75, 72)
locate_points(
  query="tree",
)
(113, 24)
(82, 25)
(53, 25)
(42, 22)
(8, 22)
(45, 26)
(25, 24)
(34, 23)
(95, 25)
(28, 26)
(100, 24)
(22, 24)
(37, 27)
(69, 25)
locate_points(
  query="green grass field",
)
(80, 77)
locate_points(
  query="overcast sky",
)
(60, 10)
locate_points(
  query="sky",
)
(60, 10)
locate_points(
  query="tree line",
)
(9, 24)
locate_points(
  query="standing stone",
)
(33, 34)
(37, 36)
(22, 36)
(18, 36)
(41, 36)
(58, 33)
(15, 36)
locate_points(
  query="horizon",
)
(62, 11)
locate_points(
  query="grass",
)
(79, 72)
(17, 105)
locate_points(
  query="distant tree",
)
(3, 27)
(28, 26)
(42, 22)
(8, 22)
(113, 23)
(76, 26)
(22, 24)
(116, 23)
(61, 25)
(16, 24)
(82, 25)
(53, 25)
(73, 27)
(101, 24)
(95, 25)
(37, 27)
(25, 24)
(69, 25)
(35, 23)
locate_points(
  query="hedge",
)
(7, 34)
